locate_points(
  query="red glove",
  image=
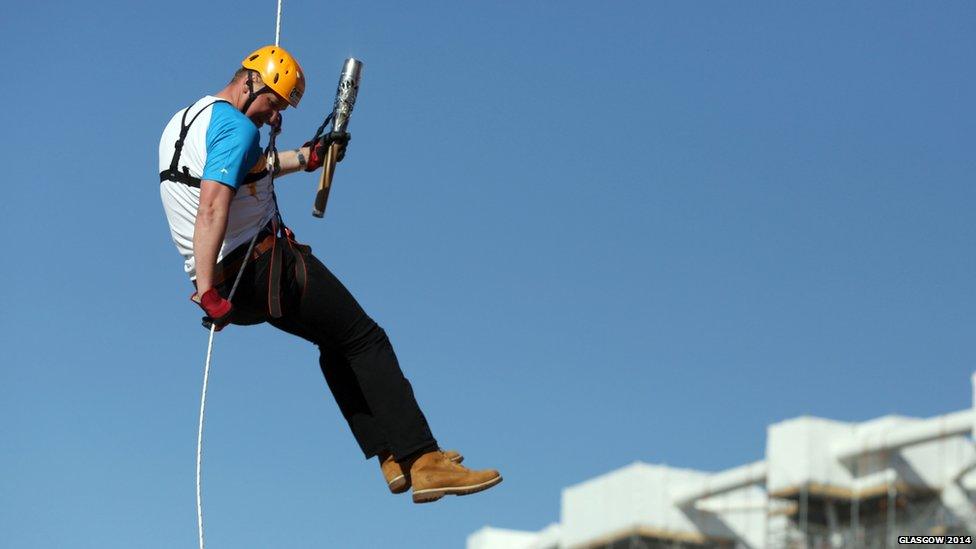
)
(316, 154)
(217, 308)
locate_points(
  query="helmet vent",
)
(276, 78)
(253, 57)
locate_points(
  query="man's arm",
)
(304, 158)
(289, 162)
(208, 232)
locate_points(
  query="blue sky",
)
(596, 233)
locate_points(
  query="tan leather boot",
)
(393, 473)
(434, 476)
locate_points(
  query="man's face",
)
(266, 108)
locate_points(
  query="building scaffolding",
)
(822, 484)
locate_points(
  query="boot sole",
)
(433, 494)
(400, 485)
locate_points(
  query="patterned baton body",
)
(345, 100)
(346, 93)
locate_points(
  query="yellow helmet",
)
(280, 72)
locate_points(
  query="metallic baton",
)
(345, 100)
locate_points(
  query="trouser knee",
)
(366, 335)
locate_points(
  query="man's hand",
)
(316, 154)
(218, 309)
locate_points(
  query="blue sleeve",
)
(233, 146)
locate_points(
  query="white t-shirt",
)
(222, 145)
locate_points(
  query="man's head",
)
(268, 81)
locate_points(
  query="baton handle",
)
(325, 181)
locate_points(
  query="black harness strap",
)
(174, 173)
(301, 270)
(285, 243)
(274, 278)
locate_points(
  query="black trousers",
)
(356, 356)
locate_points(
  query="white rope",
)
(206, 367)
(203, 394)
(203, 407)
(278, 24)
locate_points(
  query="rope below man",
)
(217, 190)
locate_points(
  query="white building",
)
(822, 484)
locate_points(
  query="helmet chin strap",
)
(251, 94)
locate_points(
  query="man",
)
(218, 195)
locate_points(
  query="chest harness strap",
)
(174, 173)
